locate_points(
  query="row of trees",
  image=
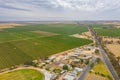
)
(114, 60)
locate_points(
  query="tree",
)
(92, 65)
(98, 60)
(30, 63)
(87, 62)
(65, 67)
(118, 58)
(97, 51)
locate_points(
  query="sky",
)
(41, 10)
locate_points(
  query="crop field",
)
(24, 74)
(111, 32)
(25, 43)
(107, 30)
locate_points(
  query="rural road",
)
(84, 73)
(105, 58)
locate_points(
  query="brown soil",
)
(45, 33)
(87, 34)
(9, 25)
(117, 26)
(114, 48)
(95, 77)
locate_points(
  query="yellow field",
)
(24, 74)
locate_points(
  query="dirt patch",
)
(114, 48)
(95, 77)
(9, 25)
(113, 45)
(117, 26)
(45, 33)
(86, 35)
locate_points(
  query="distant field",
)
(112, 32)
(25, 74)
(107, 29)
(25, 43)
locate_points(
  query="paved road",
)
(84, 73)
(105, 58)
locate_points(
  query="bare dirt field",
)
(114, 48)
(95, 77)
(45, 33)
(9, 25)
(86, 35)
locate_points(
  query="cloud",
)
(84, 5)
(59, 9)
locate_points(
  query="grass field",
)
(106, 30)
(111, 32)
(102, 69)
(25, 74)
(22, 43)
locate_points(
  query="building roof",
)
(47, 76)
(68, 76)
(78, 69)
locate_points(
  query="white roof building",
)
(69, 76)
(78, 69)
(47, 76)
(52, 57)
(76, 60)
(87, 57)
(61, 64)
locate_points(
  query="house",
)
(48, 76)
(78, 69)
(52, 58)
(66, 57)
(78, 50)
(61, 64)
(69, 76)
(69, 66)
(63, 71)
(87, 57)
(54, 76)
(76, 60)
(75, 54)
(48, 61)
